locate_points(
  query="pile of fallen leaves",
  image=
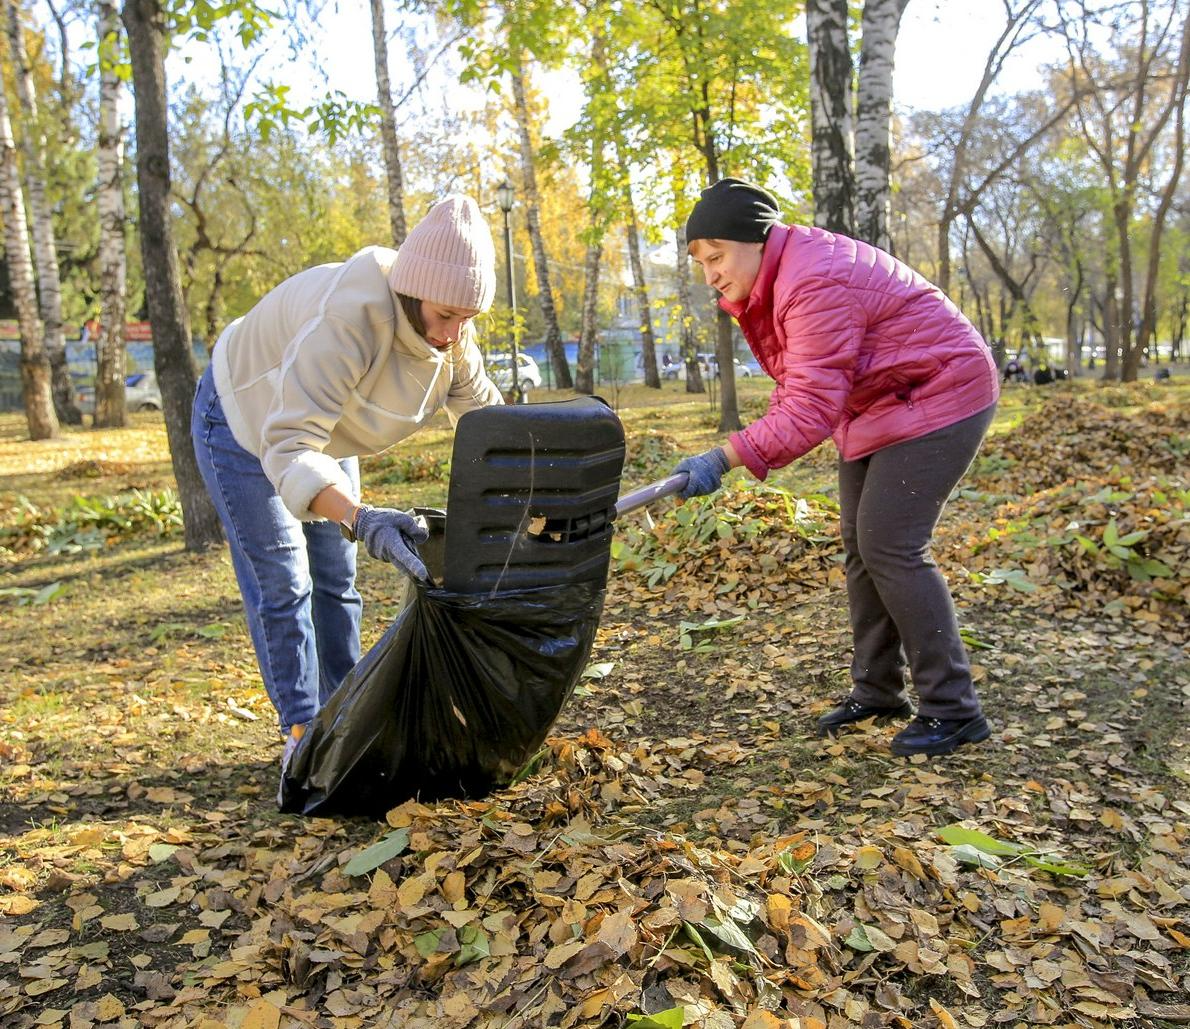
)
(749, 544)
(1072, 436)
(651, 454)
(1082, 507)
(726, 871)
(1078, 508)
(93, 468)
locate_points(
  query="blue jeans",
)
(297, 578)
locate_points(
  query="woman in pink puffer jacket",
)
(865, 350)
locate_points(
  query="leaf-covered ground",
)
(685, 842)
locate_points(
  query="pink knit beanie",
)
(448, 258)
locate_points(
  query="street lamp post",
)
(504, 194)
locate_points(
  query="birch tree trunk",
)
(648, 342)
(873, 120)
(686, 317)
(388, 127)
(36, 391)
(555, 350)
(584, 380)
(830, 115)
(144, 23)
(109, 346)
(44, 249)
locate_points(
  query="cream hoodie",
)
(327, 366)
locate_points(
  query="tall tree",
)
(530, 31)
(685, 318)
(832, 138)
(1019, 27)
(109, 346)
(36, 389)
(144, 22)
(1123, 114)
(850, 127)
(388, 126)
(597, 206)
(699, 79)
(648, 344)
(605, 118)
(873, 120)
(545, 290)
(44, 245)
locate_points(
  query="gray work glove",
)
(393, 536)
(705, 472)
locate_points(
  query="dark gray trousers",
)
(901, 610)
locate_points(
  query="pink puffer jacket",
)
(861, 347)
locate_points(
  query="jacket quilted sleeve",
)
(823, 326)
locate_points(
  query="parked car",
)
(711, 362)
(500, 371)
(141, 393)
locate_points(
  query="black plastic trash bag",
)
(453, 700)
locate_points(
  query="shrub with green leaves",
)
(91, 523)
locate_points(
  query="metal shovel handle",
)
(639, 498)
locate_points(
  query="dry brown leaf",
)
(945, 1018)
(261, 1015)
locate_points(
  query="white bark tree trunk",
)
(388, 127)
(45, 252)
(648, 342)
(873, 119)
(832, 141)
(36, 391)
(584, 380)
(686, 316)
(553, 333)
(110, 346)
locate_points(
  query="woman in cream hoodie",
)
(337, 361)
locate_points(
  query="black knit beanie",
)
(732, 209)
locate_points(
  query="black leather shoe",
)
(853, 711)
(939, 735)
